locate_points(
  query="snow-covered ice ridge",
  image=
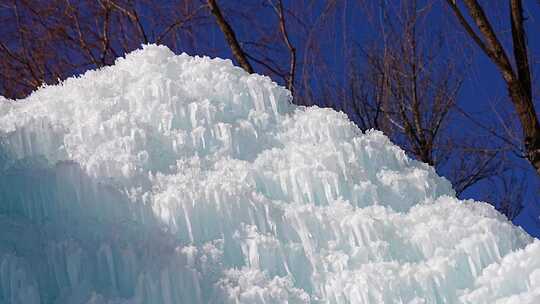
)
(175, 179)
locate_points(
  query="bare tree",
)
(408, 85)
(517, 75)
(230, 36)
(44, 41)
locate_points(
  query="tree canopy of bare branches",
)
(517, 75)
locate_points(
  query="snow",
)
(175, 179)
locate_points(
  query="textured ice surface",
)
(176, 179)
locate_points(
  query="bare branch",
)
(292, 50)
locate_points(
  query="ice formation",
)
(175, 179)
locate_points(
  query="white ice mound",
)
(175, 179)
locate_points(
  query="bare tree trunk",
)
(518, 81)
(522, 89)
(230, 36)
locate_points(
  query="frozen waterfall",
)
(176, 179)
